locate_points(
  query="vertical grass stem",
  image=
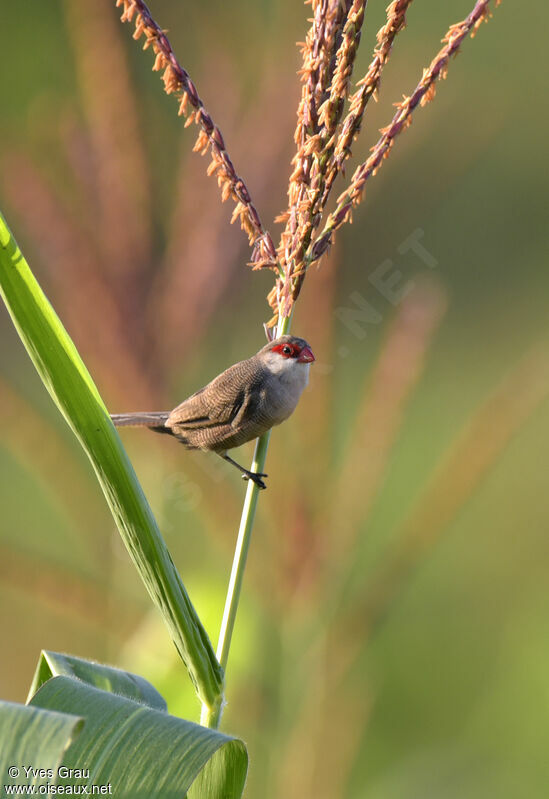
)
(209, 717)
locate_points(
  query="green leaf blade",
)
(143, 752)
(106, 678)
(34, 737)
(69, 383)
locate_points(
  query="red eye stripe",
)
(282, 350)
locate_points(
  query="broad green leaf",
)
(35, 738)
(223, 776)
(141, 752)
(107, 678)
(74, 392)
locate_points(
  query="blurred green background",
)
(393, 639)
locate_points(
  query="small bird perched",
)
(240, 404)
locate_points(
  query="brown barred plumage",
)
(240, 404)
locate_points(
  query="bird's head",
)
(287, 354)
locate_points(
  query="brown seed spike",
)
(401, 120)
(177, 81)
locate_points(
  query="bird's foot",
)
(256, 477)
(246, 473)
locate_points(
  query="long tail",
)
(154, 420)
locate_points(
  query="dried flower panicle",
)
(319, 58)
(367, 88)
(178, 82)
(343, 71)
(307, 181)
(323, 136)
(327, 150)
(423, 93)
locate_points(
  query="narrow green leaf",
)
(35, 738)
(143, 753)
(74, 392)
(107, 678)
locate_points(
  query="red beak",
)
(306, 355)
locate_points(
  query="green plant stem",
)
(241, 553)
(211, 717)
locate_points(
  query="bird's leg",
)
(246, 473)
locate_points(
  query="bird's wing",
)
(218, 403)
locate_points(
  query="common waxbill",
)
(240, 404)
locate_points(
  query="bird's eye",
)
(287, 350)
